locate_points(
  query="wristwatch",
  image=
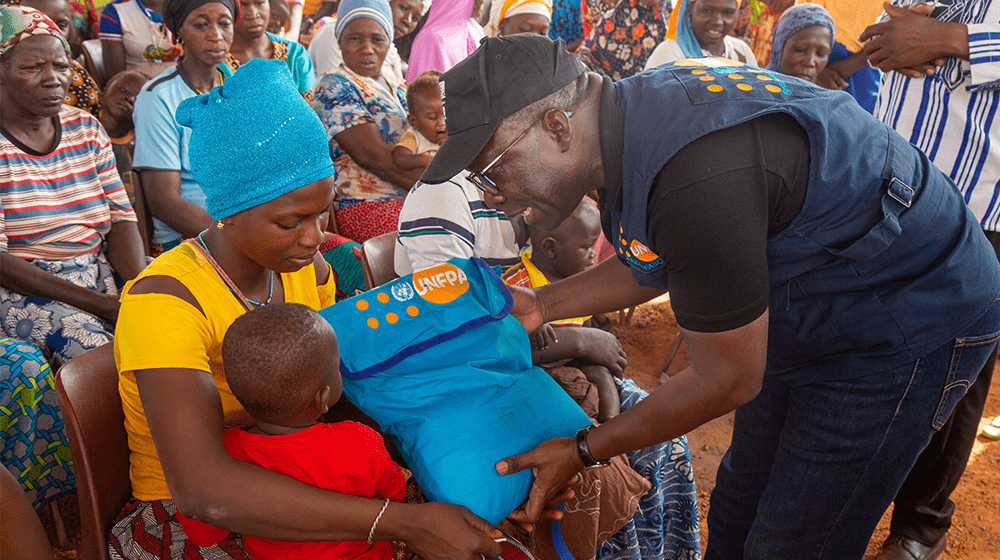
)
(583, 450)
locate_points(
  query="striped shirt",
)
(439, 222)
(59, 205)
(952, 116)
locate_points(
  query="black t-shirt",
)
(711, 210)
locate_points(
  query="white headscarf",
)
(503, 9)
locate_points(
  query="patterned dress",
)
(623, 39)
(33, 445)
(344, 99)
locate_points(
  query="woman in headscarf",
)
(701, 28)
(251, 40)
(802, 42)
(258, 151)
(449, 35)
(58, 258)
(624, 38)
(177, 203)
(509, 17)
(66, 230)
(364, 111)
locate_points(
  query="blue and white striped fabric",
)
(952, 116)
(440, 222)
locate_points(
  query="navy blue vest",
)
(883, 264)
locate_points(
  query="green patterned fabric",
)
(34, 445)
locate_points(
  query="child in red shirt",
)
(282, 363)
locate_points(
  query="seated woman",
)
(702, 29)
(66, 226)
(161, 144)
(251, 40)
(509, 17)
(133, 37)
(364, 111)
(325, 52)
(803, 39)
(624, 38)
(259, 153)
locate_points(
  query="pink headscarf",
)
(449, 35)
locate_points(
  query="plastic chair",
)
(377, 260)
(143, 218)
(95, 424)
(93, 61)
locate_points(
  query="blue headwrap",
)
(253, 139)
(795, 18)
(685, 33)
(350, 10)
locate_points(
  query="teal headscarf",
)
(253, 139)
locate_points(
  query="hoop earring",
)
(219, 225)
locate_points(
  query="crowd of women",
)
(282, 225)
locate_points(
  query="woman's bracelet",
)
(371, 533)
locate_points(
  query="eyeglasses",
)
(481, 178)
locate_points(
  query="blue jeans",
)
(812, 468)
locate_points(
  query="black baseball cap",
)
(503, 76)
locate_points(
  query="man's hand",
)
(912, 43)
(527, 308)
(554, 463)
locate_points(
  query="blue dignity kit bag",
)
(438, 361)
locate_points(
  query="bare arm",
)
(294, 22)
(607, 287)
(163, 196)
(125, 252)
(22, 277)
(407, 160)
(726, 371)
(594, 345)
(835, 75)
(364, 144)
(114, 56)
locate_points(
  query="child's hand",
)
(602, 348)
(543, 337)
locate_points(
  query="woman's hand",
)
(555, 463)
(447, 532)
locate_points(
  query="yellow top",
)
(161, 331)
(850, 17)
(535, 279)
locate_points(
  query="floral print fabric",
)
(665, 526)
(64, 332)
(344, 99)
(624, 38)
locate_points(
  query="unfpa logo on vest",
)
(440, 284)
(640, 256)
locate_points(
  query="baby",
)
(581, 359)
(426, 117)
(282, 364)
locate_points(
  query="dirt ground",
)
(975, 534)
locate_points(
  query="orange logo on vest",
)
(443, 283)
(642, 252)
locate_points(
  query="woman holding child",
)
(364, 111)
(261, 249)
